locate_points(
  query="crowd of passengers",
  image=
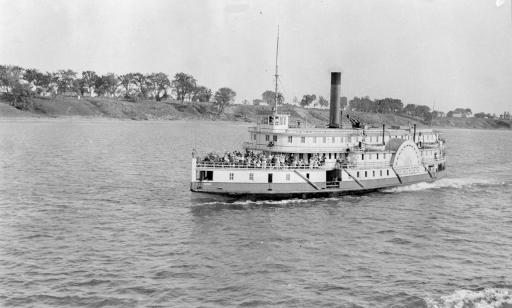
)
(252, 159)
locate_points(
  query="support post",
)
(383, 134)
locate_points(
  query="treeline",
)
(20, 85)
(391, 105)
(308, 100)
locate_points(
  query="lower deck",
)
(308, 187)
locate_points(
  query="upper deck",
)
(275, 134)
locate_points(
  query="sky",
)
(450, 54)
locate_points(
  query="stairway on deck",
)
(345, 122)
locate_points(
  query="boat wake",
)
(283, 202)
(444, 183)
(487, 298)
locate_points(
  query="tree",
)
(386, 105)
(33, 76)
(343, 102)
(422, 111)
(183, 85)
(269, 97)
(44, 83)
(78, 86)
(141, 85)
(88, 81)
(223, 97)
(125, 81)
(65, 80)
(20, 96)
(410, 109)
(10, 76)
(201, 94)
(363, 104)
(307, 99)
(106, 84)
(323, 102)
(160, 83)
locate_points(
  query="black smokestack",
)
(334, 114)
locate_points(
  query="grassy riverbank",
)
(174, 110)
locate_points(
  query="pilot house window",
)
(251, 176)
(303, 139)
(290, 139)
(231, 176)
(267, 138)
(274, 138)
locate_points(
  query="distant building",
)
(505, 116)
(460, 113)
(438, 114)
(343, 102)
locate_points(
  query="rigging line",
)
(277, 72)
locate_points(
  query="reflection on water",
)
(99, 213)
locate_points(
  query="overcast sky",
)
(457, 53)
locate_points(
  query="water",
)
(98, 214)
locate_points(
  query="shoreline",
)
(94, 109)
(85, 119)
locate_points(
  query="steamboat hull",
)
(262, 191)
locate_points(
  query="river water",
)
(98, 214)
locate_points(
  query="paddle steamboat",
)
(284, 159)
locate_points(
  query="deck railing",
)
(281, 166)
(360, 166)
(252, 166)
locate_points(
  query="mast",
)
(276, 74)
